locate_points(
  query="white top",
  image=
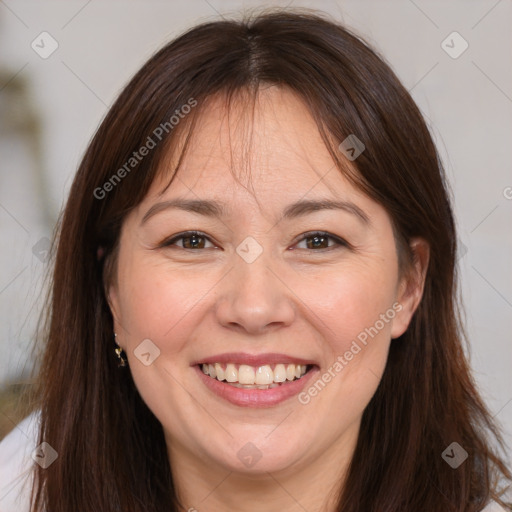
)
(16, 463)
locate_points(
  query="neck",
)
(313, 485)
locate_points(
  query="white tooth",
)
(246, 374)
(279, 373)
(290, 372)
(231, 373)
(204, 367)
(264, 375)
(219, 371)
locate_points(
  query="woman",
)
(294, 345)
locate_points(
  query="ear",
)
(113, 303)
(111, 293)
(410, 288)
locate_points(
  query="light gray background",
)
(467, 102)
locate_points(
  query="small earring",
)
(119, 352)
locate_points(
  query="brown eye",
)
(191, 240)
(320, 240)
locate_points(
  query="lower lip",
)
(256, 397)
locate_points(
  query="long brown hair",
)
(111, 448)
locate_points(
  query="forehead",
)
(269, 142)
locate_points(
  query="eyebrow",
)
(209, 208)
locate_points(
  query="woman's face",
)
(253, 302)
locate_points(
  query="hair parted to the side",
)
(111, 448)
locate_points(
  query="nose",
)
(254, 298)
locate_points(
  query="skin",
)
(294, 298)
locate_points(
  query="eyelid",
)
(340, 242)
(168, 242)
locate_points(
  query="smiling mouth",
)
(255, 377)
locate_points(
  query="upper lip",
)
(253, 359)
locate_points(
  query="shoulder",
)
(16, 465)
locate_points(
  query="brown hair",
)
(111, 448)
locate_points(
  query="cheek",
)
(355, 304)
(159, 303)
(357, 313)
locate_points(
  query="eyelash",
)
(311, 234)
